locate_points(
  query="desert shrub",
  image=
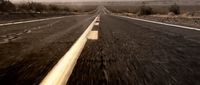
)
(36, 7)
(145, 10)
(26, 7)
(7, 6)
(40, 7)
(23, 7)
(54, 8)
(66, 9)
(175, 9)
(76, 9)
(32, 7)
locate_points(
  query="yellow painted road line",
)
(61, 72)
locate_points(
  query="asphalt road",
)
(28, 51)
(131, 52)
(128, 52)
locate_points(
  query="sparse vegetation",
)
(35, 10)
(145, 10)
(174, 9)
(192, 10)
(32, 7)
(188, 15)
(54, 8)
(7, 6)
(35, 7)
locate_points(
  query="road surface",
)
(29, 50)
(127, 52)
(132, 52)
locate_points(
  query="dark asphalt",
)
(29, 51)
(131, 52)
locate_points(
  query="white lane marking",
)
(97, 23)
(93, 35)
(22, 22)
(61, 72)
(98, 19)
(161, 23)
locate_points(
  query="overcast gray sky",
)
(69, 0)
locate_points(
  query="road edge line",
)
(61, 72)
(30, 21)
(161, 23)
